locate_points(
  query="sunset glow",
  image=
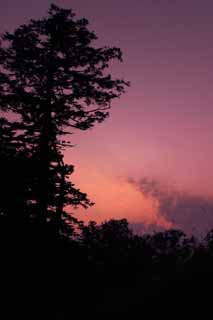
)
(162, 127)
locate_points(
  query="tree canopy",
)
(53, 80)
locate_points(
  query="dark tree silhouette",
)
(107, 232)
(53, 78)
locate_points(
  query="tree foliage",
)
(54, 79)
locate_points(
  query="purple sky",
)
(162, 128)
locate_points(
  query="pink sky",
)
(162, 127)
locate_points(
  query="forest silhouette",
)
(54, 81)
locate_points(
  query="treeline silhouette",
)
(53, 266)
(105, 270)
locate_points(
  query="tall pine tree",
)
(54, 79)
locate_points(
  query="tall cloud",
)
(189, 212)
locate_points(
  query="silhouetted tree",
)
(15, 172)
(52, 77)
(107, 234)
(108, 242)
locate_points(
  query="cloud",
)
(189, 212)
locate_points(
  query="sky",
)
(151, 160)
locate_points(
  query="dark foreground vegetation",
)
(52, 266)
(105, 271)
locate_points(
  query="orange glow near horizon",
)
(116, 198)
(162, 127)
